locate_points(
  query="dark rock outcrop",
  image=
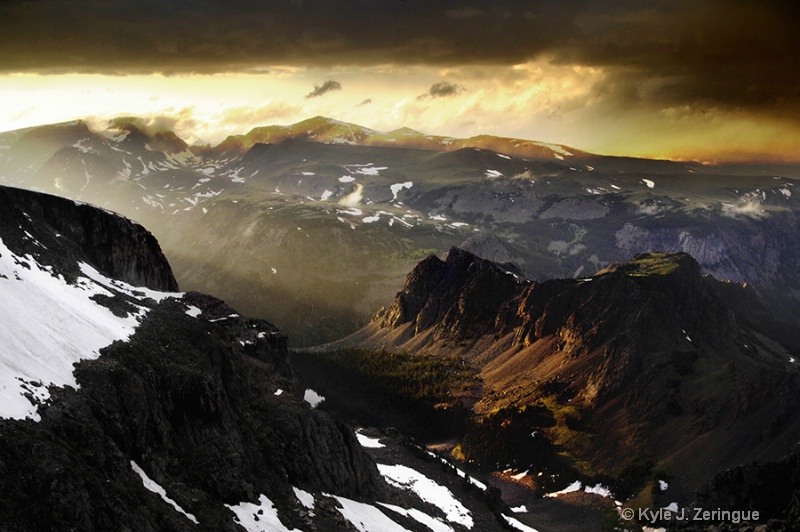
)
(191, 401)
(459, 297)
(200, 398)
(33, 223)
(772, 489)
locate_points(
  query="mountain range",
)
(324, 218)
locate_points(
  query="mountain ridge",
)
(330, 131)
(644, 362)
(396, 204)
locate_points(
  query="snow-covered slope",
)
(48, 324)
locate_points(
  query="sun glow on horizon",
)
(567, 104)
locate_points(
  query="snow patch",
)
(558, 150)
(81, 146)
(313, 398)
(347, 179)
(371, 170)
(575, 486)
(305, 498)
(366, 441)
(261, 517)
(493, 173)
(649, 183)
(397, 187)
(599, 489)
(193, 311)
(354, 198)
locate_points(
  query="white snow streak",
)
(575, 486)
(436, 525)
(516, 525)
(365, 517)
(153, 486)
(427, 490)
(366, 441)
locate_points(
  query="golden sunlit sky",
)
(713, 80)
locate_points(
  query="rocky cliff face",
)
(458, 297)
(645, 362)
(33, 223)
(198, 402)
(194, 403)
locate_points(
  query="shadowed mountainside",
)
(643, 370)
(197, 399)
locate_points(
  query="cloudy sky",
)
(686, 79)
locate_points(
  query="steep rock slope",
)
(68, 233)
(191, 400)
(645, 368)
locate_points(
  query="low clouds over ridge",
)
(680, 59)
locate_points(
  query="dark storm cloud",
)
(734, 54)
(442, 89)
(319, 90)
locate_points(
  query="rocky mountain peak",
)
(650, 337)
(156, 138)
(459, 295)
